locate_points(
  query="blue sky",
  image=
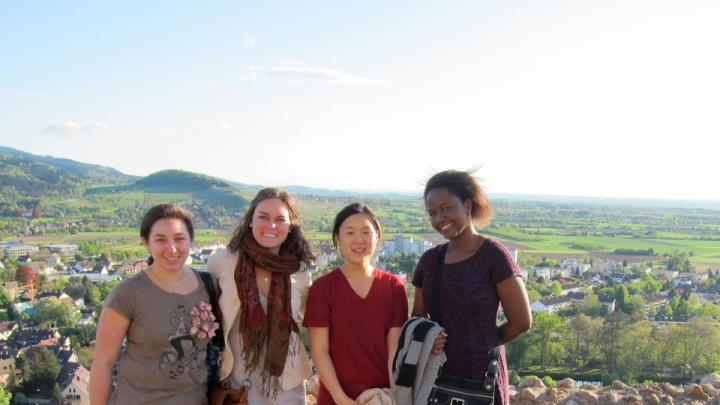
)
(606, 98)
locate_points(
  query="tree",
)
(592, 306)
(546, 334)
(27, 275)
(51, 310)
(556, 288)
(611, 338)
(621, 294)
(92, 296)
(583, 344)
(533, 295)
(5, 397)
(58, 397)
(45, 370)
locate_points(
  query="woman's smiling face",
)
(448, 215)
(169, 243)
(271, 224)
(357, 238)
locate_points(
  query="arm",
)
(111, 331)
(420, 310)
(392, 344)
(516, 307)
(320, 349)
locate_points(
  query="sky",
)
(591, 98)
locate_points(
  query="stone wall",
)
(532, 391)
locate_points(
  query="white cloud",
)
(250, 75)
(306, 74)
(249, 42)
(74, 128)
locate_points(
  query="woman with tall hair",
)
(164, 314)
(263, 279)
(355, 313)
(477, 274)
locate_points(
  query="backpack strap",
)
(437, 281)
(219, 338)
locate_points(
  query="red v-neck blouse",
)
(358, 328)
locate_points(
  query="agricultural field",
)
(539, 229)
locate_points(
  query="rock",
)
(710, 390)
(630, 400)
(581, 397)
(590, 387)
(667, 400)
(531, 382)
(607, 397)
(694, 391)
(671, 389)
(567, 383)
(619, 385)
(531, 393)
(652, 399)
(552, 396)
(712, 379)
(513, 392)
(522, 402)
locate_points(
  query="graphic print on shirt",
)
(189, 327)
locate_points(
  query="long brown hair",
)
(296, 244)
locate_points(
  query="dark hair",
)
(352, 209)
(164, 211)
(466, 187)
(296, 244)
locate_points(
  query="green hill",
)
(74, 190)
(27, 179)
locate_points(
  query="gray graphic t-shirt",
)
(164, 360)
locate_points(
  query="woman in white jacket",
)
(263, 282)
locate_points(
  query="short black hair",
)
(352, 209)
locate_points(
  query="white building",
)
(17, 249)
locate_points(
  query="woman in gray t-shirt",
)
(164, 315)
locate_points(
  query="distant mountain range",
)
(25, 176)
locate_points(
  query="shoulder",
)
(493, 248)
(432, 253)
(429, 258)
(386, 277)
(302, 277)
(127, 289)
(326, 280)
(221, 261)
(132, 283)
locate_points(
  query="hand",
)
(439, 343)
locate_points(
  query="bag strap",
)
(491, 373)
(219, 338)
(437, 281)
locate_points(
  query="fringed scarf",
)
(258, 330)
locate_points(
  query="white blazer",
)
(222, 268)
